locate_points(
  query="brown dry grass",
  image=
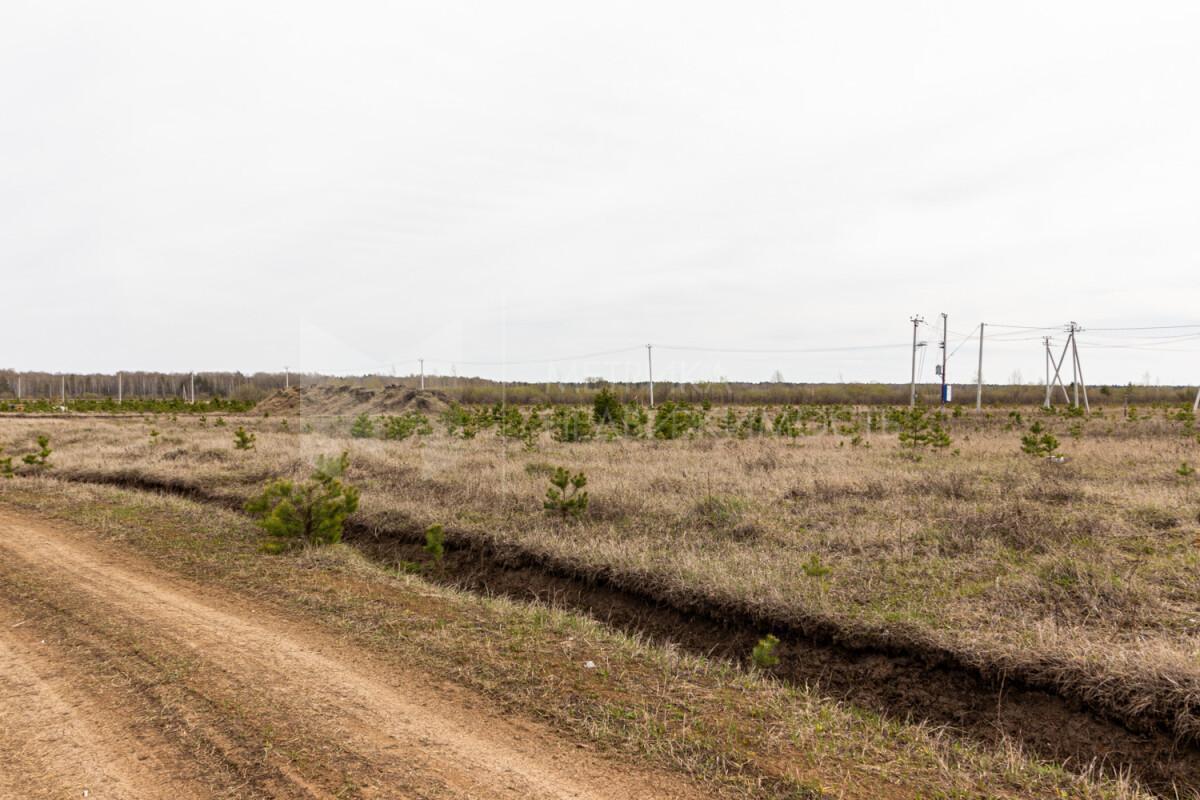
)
(1079, 575)
(741, 734)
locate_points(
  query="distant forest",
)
(252, 388)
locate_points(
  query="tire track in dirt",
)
(59, 743)
(423, 738)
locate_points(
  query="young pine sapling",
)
(565, 496)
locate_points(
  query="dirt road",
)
(119, 681)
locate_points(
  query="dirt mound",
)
(353, 400)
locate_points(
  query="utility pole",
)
(19, 388)
(120, 389)
(422, 373)
(287, 378)
(912, 389)
(64, 390)
(650, 365)
(979, 373)
(1195, 405)
(1074, 364)
(193, 388)
(945, 351)
(1049, 358)
(1078, 370)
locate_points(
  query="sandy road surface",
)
(118, 681)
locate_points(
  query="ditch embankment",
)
(897, 673)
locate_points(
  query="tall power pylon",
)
(1076, 369)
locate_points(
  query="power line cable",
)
(966, 338)
(1148, 328)
(790, 350)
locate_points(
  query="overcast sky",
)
(347, 186)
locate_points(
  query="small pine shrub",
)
(1039, 442)
(243, 440)
(571, 425)
(153, 436)
(363, 427)
(459, 422)
(6, 467)
(753, 424)
(720, 513)
(312, 512)
(407, 424)
(674, 420)
(565, 496)
(1185, 470)
(920, 429)
(607, 409)
(513, 425)
(763, 655)
(41, 459)
(435, 543)
(813, 568)
(784, 423)
(635, 420)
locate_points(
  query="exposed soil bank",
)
(896, 675)
(353, 400)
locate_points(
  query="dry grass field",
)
(1074, 581)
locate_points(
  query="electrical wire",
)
(1148, 328)
(534, 360)
(1009, 334)
(792, 350)
(966, 338)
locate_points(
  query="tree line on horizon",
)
(251, 388)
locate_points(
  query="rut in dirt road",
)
(233, 671)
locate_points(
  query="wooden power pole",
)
(979, 373)
(912, 387)
(650, 370)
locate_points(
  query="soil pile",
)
(353, 400)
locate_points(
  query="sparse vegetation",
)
(737, 734)
(965, 555)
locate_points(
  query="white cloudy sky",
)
(347, 186)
